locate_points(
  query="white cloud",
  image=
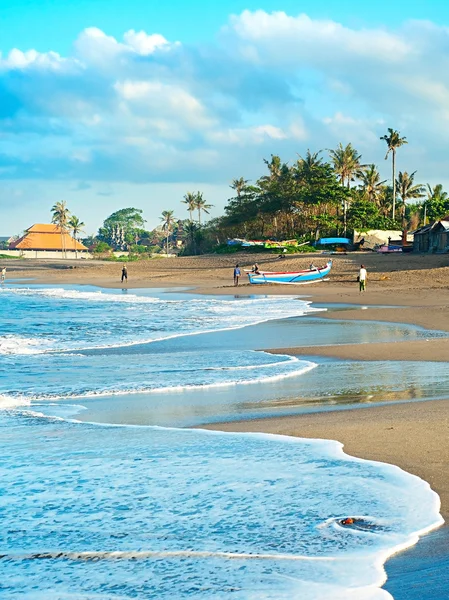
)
(18, 60)
(144, 108)
(143, 43)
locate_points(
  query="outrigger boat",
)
(291, 277)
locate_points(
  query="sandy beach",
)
(401, 289)
(408, 289)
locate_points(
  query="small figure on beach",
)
(362, 278)
(124, 273)
(3, 274)
(255, 269)
(237, 274)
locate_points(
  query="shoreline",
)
(410, 435)
(408, 301)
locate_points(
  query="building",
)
(42, 240)
(433, 237)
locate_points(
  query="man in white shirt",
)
(362, 278)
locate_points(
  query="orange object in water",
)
(347, 521)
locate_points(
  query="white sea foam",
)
(250, 512)
(158, 512)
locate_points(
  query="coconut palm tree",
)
(201, 205)
(435, 196)
(168, 221)
(60, 217)
(347, 166)
(190, 200)
(371, 184)
(76, 226)
(408, 190)
(239, 185)
(394, 141)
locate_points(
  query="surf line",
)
(159, 554)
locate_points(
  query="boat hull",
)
(292, 278)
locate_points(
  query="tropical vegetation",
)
(322, 193)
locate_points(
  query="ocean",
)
(107, 492)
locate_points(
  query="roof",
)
(47, 237)
(44, 228)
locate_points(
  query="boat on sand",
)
(291, 277)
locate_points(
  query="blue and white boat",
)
(291, 277)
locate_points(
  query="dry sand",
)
(411, 435)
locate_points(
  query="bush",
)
(102, 248)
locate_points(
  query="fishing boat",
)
(291, 277)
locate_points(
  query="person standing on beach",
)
(3, 274)
(237, 274)
(362, 278)
(124, 274)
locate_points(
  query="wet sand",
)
(414, 436)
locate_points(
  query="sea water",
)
(112, 512)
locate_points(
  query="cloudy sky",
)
(108, 104)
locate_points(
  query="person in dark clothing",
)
(124, 273)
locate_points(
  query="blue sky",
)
(108, 103)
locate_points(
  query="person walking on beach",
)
(3, 274)
(124, 274)
(237, 274)
(362, 278)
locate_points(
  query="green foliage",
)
(102, 248)
(363, 215)
(123, 228)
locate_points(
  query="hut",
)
(44, 239)
(433, 237)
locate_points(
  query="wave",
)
(8, 400)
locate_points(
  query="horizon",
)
(107, 109)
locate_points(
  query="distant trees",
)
(408, 190)
(76, 227)
(60, 217)
(168, 221)
(394, 141)
(123, 228)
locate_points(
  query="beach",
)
(406, 291)
(401, 289)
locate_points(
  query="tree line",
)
(322, 193)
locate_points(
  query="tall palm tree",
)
(190, 200)
(347, 165)
(239, 185)
(60, 217)
(394, 141)
(371, 184)
(408, 190)
(201, 205)
(168, 221)
(76, 226)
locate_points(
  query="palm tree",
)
(347, 165)
(60, 218)
(76, 227)
(371, 184)
(394, 141)
(190, 230)
(190, 200)
(201, 205)
(434, 194)
(168, 220)
(408, 190)
(239, 185)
